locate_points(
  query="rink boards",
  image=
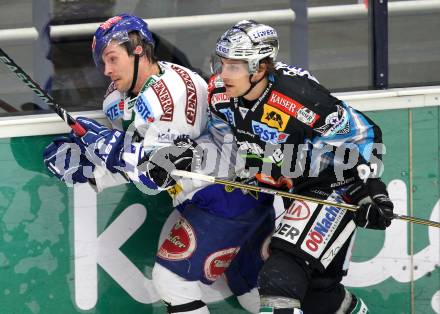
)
(70, 250)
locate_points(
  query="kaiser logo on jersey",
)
(180, 243)
(284, 103)
(274, 118)
(216, 263)
(268, 134)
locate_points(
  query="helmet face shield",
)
(229, 69)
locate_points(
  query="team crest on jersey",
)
(143, 108)
(268, 134)
(335, 123)
(274, 118)
(229, 115)
(216, 263)
(180, 243)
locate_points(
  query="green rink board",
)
(41, 219)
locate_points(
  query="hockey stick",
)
(27, 80)
(206, 178)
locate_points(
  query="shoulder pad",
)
(291, 70)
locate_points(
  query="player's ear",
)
(261, 72)
(138, 50)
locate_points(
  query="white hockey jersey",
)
(170, 104)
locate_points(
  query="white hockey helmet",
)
(249, 41)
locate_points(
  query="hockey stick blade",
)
(206, 178)
(28, 81)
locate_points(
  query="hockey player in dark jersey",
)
(294, 135)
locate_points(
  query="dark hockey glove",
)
(375, 207)
(183, 155)
(64, 158)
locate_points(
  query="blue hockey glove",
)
(375, 207)
(102, 145)
(64, 158)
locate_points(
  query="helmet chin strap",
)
(135, 74)
(253, 84)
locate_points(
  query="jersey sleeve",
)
(351, 132)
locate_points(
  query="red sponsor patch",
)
(218, 262)
(297, 211)
(284, 103)
(165, 100)
(180, 243)
(191, 94)
(121, 105)
(219, 97)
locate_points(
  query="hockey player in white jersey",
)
(152, 104)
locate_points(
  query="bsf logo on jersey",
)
(216, 263)
(180, 243)
(274, 118)
(268, 134)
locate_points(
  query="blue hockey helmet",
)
(117, 29)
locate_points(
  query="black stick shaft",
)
(27, 80)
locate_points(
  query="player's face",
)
(235, 76)
(118, 65)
